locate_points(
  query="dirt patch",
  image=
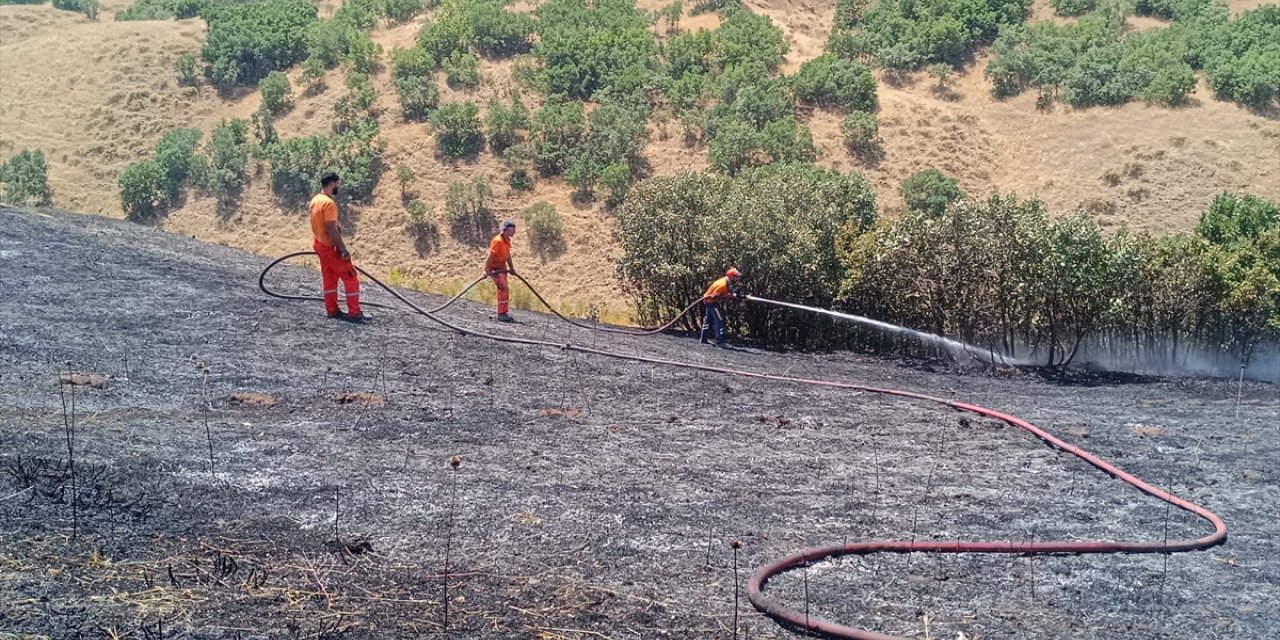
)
(359, 397)
(254, 399)
(94, 380)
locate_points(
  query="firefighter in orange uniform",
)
(720, 292)
(499, 265)
(335, 260)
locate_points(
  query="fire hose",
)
(773, 607)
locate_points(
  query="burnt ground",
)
(595, 497)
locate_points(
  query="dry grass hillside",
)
(96, 96)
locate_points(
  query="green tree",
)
(185, 66)
(559, 129)
(244, 42)
(467, 211)
(457, 128)
(546, 230)
(778, 225)
(835, 82)
(277, 93)
(143, 191)
(462, 69)
(504, 123)
(861, 131)
(401, 11)
(1235, 218)
(174, 155)
(26, 179)
(930, 192)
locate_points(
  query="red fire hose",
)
(755, 585)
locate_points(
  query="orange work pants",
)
(333, 268)
(504, 292)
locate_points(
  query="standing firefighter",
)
(335, 260)
(719, 292)
(499, 265)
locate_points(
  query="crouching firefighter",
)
(720, 292)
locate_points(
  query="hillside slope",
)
(96, 96)
(251, 468)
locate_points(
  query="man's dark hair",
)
(328, 179)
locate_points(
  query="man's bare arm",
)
(335, 234)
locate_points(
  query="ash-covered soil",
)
(246, 468)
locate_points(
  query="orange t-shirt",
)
(499, 253)
(719, 291)
(323, 209)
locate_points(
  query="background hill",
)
(96, 96)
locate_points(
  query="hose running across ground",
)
(800, 620)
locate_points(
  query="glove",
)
(739, 296)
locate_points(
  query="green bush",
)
(144, 191)
(145, 10)
(462, 70)
(1098, 61)
(186, 68)
(746, 38)
(245, 42)
(401, 11)
(1073, 8)
(298, 163)
(588, 47)
(518, 160)
(364, 54)
(466, 209)
(220, 169)
(778, 225)
(835, 82)
(930, 192)
(546, 231)
(1048, 286)
(422, 227)
(1234, 218)
(88, 7)
(411, 75)
(559, 129)
(174, 154)
(616, 136)
(277, 93)
(26, 179)
(616, 179)
(481, 24)
(457, 129)
(737, 145)
(861, 131)
(906, 34)
(688, 53)
(504, 123)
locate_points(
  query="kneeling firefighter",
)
(720, 292)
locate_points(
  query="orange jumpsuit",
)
(499, 254)
(333, 267)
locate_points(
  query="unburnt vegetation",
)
(599, 74)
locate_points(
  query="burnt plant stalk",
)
(69, 430)
(454, 462)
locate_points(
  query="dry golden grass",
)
(96, 96)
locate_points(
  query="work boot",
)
(359, 318)
(503, 317)
(338, 315)
(704, 341)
